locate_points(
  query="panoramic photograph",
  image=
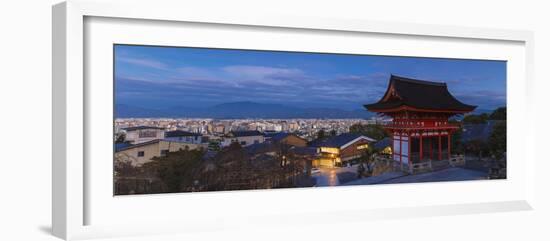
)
(190, 119)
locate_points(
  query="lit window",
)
(364, 146)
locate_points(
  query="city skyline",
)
(159, 78)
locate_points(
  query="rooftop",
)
(120, 147)
(418, 94)
(135, 128)
(245, 133)
(339, 140)
(281, 136)
(178, 133)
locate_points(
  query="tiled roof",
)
(178, 133)
(338, 141)
(245, 133)
(136, 145)
(418, 94)
(141, 128)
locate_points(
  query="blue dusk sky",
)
(167, 77)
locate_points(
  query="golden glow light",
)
(364, 146)
(330, 150)
(387, 150)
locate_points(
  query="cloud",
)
(190, 72)
(265, 75)
(190, 85)
(485, 99)
(143, 62)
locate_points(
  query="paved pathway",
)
(326, 177)
(449, 174)
(376, 179)
(329, 176)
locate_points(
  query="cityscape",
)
(195, 120)
(216, 129)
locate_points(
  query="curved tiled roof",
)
(339, 140)
(418, 94)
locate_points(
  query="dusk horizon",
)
(164, 78)
(201, 120)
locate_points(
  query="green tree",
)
(498, 114)
(367, 160)
(476, 119)
(333, 133)
(120, 137)
(456, 138)
(177, 170)
(375, 131)
(478, 148)
(321, 134)
(214, 145)
(497, 140)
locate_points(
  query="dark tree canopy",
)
(456, 142)
(497, 140)
(177, 170)
(476, 119)
(374, 131)
(498, 114)
(321, 135)
(120, 137)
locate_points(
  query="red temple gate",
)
(420, 112)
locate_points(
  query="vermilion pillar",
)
(439, 152)
(421, 146)
(449, 145)
(409, 143)
(431, 147)
(401, 147)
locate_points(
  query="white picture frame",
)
(73, 192)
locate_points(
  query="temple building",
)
(339, 150)
(420, 112)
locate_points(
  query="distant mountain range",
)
(241, 110)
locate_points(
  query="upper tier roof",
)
(405, 93)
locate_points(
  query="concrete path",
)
(376, 179)
(326, 177)
(449, 174)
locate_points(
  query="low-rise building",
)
(244, 138)
(139, 154)
(141, 134)
(287, 139)
(183, 136)
(340, 149)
